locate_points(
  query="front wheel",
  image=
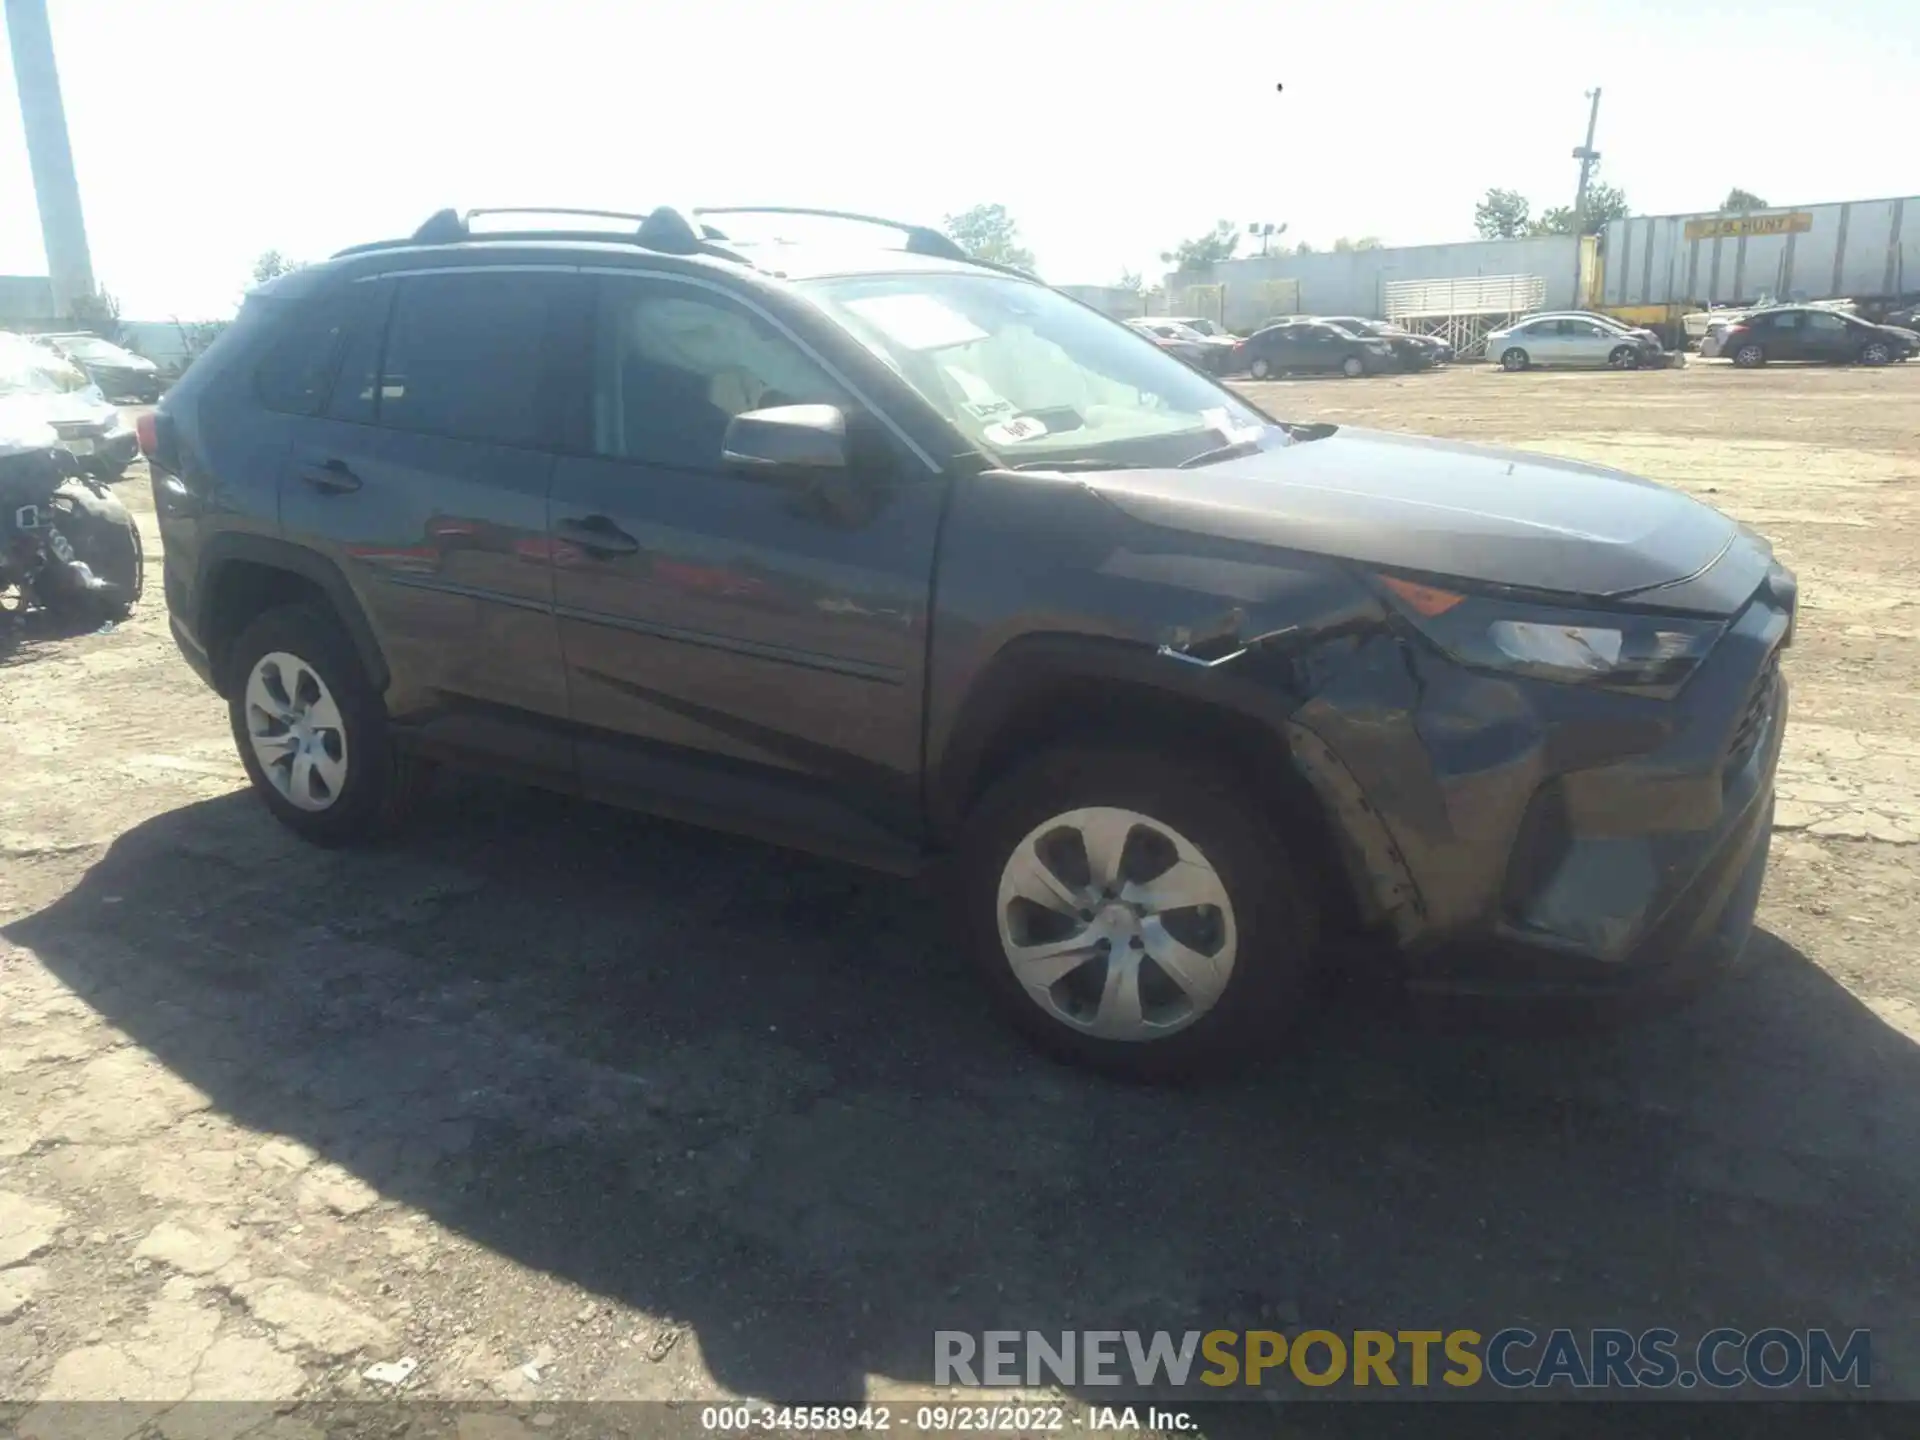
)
(1260, 369)
(1133, 912)
(312, 731)
(1515, 359)
(1876, 352)
(1353, 367)
(1624, 357)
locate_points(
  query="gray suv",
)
(880, 551)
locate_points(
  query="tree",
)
(1742, 201)
(1131, 280)
(270, 264)
(1344, 245)
(1203, 252)
(99, 312)
(1605, 203)
(1305, 247)
(1502, 215)
(987, 232)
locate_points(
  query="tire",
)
(1876, 352)
(356, 786)
(1260, 369)
(1749, 357)
(1624, 357)
(1265, 926)
(1515, 359)
(1353, 367)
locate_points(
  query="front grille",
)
(1753, 720)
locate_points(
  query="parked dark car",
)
(906, 558)
(1810, 333)
(1312, 347)
(120, 374)
(1413, 352)
(1212, 353)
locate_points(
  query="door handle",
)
(597, 535)
(331, 478)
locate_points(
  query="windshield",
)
(1032, 377)
(86, 348)
(19, 375)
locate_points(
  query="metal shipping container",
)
(1857, 249)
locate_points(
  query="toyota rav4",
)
(859, 545)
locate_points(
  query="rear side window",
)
(296, 371)
(466, 356)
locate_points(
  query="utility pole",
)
(1588, 158)
(49, 156)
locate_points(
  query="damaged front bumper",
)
(1524, 839)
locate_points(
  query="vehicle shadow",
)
(25, 633)
(750, 1091)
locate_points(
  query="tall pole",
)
(55, 187)
(1588, 158)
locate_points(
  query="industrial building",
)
(1648, 269)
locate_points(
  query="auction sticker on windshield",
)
(1012, 432)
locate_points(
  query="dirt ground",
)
(558, 1102)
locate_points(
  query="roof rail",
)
(921, 239)
(664, 230)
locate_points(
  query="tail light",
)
(143, 427)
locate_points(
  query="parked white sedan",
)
(1573, 340)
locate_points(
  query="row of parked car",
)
(45, 384)
(1350, 345)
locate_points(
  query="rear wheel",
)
(1749, 356)
(1261, 368)
(1134, 913)
(1353, 367)
(1515, 359)
(312, 731)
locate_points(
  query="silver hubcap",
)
(1116, 924)
(296, 732)
(1515, 360)
(1876, 354)
(1748, 355)
(1260, 369)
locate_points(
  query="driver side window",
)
(674, 363)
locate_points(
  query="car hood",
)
(1436, 506)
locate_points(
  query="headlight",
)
(1648, 654)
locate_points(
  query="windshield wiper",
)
(1078, 462)
(1231, 451)
(1253, 445)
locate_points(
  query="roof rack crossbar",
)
(665, 230)
(921, 239)
(556, 210)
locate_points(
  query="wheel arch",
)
(1048, 691)
(242, 576)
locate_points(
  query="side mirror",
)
(792, 443)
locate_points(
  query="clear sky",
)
(206, 131)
